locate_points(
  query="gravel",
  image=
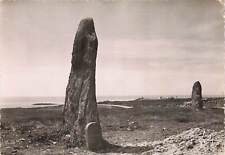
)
(195, 141)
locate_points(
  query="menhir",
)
(197, 95)
(80, 102)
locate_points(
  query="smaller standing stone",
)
(197, 95)
(93, 137)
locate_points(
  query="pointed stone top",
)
(197, 83)
(86, 25)
(85, 45)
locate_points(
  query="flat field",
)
(130, 130)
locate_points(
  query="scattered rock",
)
(194, 141)
(67, 137)
(22, 139)
(14, 151)
(190, 144)
(132, 125)
(54, 143)
(187, 104)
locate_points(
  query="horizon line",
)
(166, 95)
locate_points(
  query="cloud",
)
(163, 54)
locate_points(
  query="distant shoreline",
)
(43, 102)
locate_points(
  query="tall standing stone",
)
(197, 95)
(80, 102)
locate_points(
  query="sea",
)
(31, 102)
(40, 101)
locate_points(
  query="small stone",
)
(190, 144)
(93, 136)
(54, 143)
(14, 151)
(67, 137)
(181, 143)
(21, 139)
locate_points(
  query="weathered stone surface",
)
(197, 95)
(93, 136)
(80, 102)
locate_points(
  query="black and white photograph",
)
(112, 77)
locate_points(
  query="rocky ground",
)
(195, 141)
(167, 126)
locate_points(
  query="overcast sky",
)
(155, 47)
